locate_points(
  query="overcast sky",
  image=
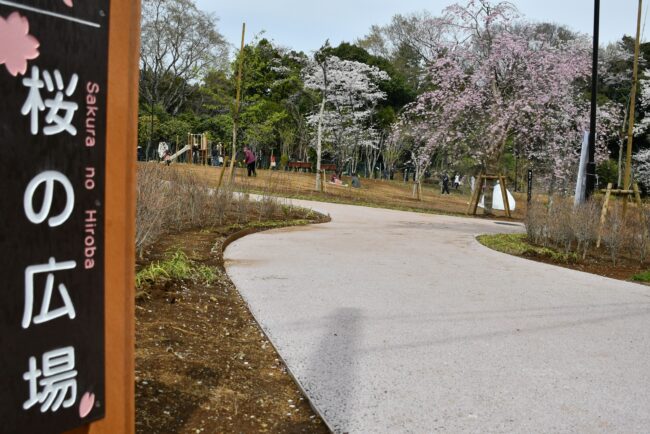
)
(305, 25)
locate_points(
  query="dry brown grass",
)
(172, 200)
(376, 193)
(559, 224)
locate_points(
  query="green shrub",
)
(284, 161)
(177, 266)
(642, 277)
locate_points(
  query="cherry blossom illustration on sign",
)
(17, 46)
(86, 404)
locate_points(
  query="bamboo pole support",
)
(603, 214)
(222, 170)
(235, 118)
(642, 216)
(630, 126)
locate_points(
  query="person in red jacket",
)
(250, 161)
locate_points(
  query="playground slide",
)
(180, 152)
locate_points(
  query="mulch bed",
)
(203, 365)
(600, 264)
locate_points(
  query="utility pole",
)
(591, 164)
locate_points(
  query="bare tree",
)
(180, 43)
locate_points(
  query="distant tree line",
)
(477, 88)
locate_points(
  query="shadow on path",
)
(335, 359)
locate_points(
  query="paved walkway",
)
(400, 322)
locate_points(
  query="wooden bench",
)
(300, 165)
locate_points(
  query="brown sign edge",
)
(121, 149)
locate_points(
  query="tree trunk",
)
(369, 166)
(488, 197)
(417, 183)
(319, 146)
(493, 169)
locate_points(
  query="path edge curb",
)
(250, 231)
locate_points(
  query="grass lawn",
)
(642, 277)
(598, 262)
(518, 245)
(373, 193)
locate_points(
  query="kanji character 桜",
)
(55, 121)
(34, 102)
(58, 383)
(46, 314)
(57, 104)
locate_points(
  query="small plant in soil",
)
(177, 266)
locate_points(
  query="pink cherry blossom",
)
(68, 3)
(17, 46)
(497, 82)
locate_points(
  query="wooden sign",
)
(54, 87)
(54, 65)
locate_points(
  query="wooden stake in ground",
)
(603, 214)
(188, 155)
(473, 202)
(627, 194)
(235, 118)
(504, 194)
(625, 191)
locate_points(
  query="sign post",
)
(68, 127)
(530, 185)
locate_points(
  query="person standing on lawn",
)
(250, 161)
(445, 184)
(356, 182)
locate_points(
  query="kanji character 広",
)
(46, 314)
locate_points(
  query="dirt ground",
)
(203, 365)
(600, 264)
(394, 194)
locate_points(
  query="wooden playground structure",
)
(197, 145)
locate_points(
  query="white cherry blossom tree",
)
(349, 94)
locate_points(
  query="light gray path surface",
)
(400, 322)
